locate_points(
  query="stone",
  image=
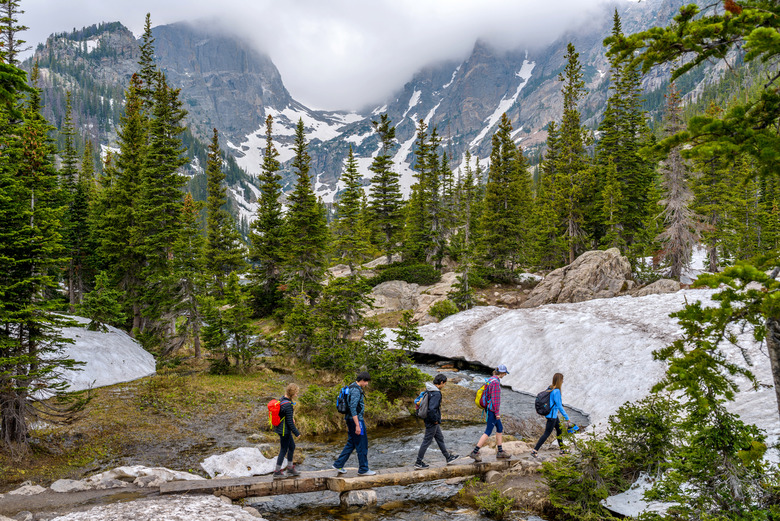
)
(27, 489)
(492, 476)
(253, 511)
(239, 463)
(358, 498)
(516, 448)
(24, 516)
(381, 261)
(255, 438)
(226, 500)
(69, 485)
(3, 518)
(594, 274)
(508, 299)
(138, 475)
(659, 286)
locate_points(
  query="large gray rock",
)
(69, 485)
(659, 286)
(239, 463)
(138, 475)
(594, 274)
(27, 489)
(358, 498)
(394, 295)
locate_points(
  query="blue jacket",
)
(556, 405)
(356, 403)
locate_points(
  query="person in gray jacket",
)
(433, 423)
(357, 439)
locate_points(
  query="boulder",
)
(393, 295)
(381, 261)
(27, 489)
(516, 448)
(659, 286)
(69, 485)
(358, 498)
(594, 274)
(239, 463)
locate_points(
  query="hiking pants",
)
(493, 422)
(552, 423)
(355, 442)
(432, 432)
(288, 447)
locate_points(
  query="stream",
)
(397, 446)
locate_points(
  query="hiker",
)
(433, 423)
(493, 410)
(357, 438)
(285, 430)
(556, 405)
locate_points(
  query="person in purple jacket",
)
(556, 406)
(493, 410)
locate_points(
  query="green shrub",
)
(422, 274)
(494, 504)
(443, 309)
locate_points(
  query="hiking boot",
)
(292, 471)
(367, 473)
(341, 470)
(534, 453)
(452, 457)
(564, 451)
(278, 474)
(502, 454)
(421, 465)
(476, 456)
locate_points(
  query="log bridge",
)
(316, 481)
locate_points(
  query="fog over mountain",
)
(341, 54)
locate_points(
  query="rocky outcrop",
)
(397, 295)
(657, 287)
(594, 274)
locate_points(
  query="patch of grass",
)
(391, 319)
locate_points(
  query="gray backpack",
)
(421, 403)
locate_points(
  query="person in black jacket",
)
(285, 430)
(433, 423)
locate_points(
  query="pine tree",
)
(266, 237)
(571, 171)
(147, 69)
(10, 44)
(506, 212)
(386, 203)
(102, 305)
(547, 233)
(350, 233)
(224, 253)
(463, 294)
(30, 250)
(679, 235)
(305, 228)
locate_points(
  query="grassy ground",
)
(172, 419)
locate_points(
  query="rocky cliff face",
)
(229, 85)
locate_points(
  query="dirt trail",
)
(59, 503)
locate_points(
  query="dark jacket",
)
(286, 414)
(356, 402)
(434, 405)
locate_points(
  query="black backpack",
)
(542, 403)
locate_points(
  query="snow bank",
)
(603, 347)
(112, 357)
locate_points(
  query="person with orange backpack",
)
(284, 426)
(491, 401)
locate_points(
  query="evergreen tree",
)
(10, 43)
(463, 296)
(30, 250)
(349, 229)
(386, 204)
(506, 212)
(571, 169)
(266, 237)
(306, 227)
(147, 69)
(223, 253)
(547, 233)
(679, 235)
(102, 305)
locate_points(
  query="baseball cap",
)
(502, 369)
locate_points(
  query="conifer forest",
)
(121, 237)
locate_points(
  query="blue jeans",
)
(493, 422)
(356, 442)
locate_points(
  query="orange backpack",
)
(274, 406)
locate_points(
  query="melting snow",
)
(454, 73)
(414, 100)
(358, 139)
(525, 74)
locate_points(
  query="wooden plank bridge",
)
(316, 481)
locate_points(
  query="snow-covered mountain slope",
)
(603, 348)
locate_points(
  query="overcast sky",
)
(338, 54)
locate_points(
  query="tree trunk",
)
(773, 346)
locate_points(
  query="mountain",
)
(230, 85)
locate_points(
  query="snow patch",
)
(358, 139)
(414, 100)
(505, 104)
(454, 73)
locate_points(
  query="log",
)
(236, 488)
(391, 477)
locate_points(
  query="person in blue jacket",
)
(556, 406)
(357, 439)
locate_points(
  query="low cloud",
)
(339, 54)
